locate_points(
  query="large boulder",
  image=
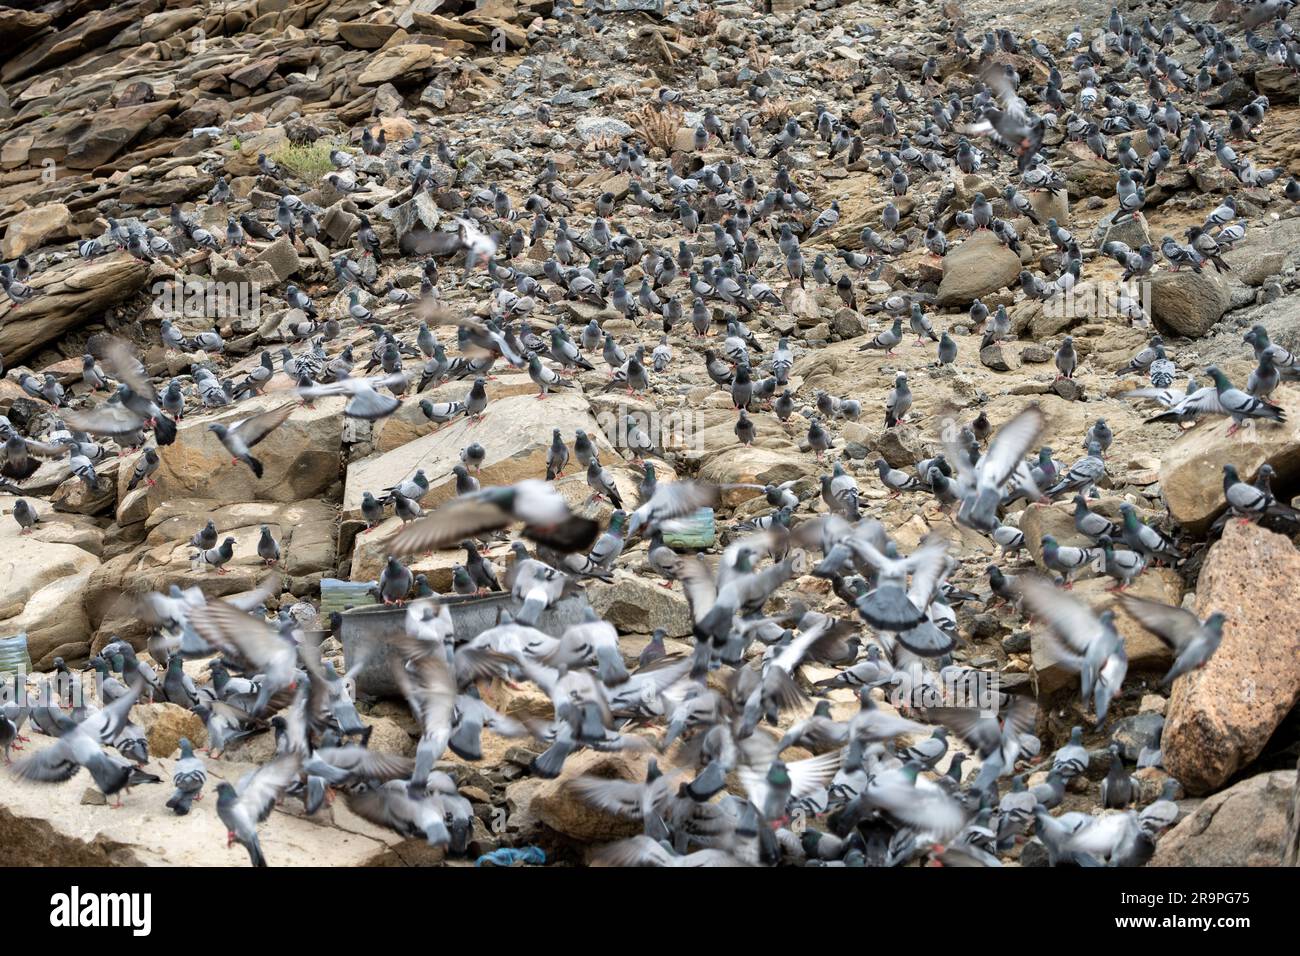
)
(1220, 717)
(42, 578)
(556, 805)
(409, 423)
(165, 724)
(54, 619)
(638, 605)
(396, 62)
(67, 294)
(99, 135)
(1191, 470)
(31, 228)
(1244, 825)
(1188, 303)
(300, 458)
(978, 267)
(1145, 652)
(515, 433)
(305, 529)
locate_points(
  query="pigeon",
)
(188, 777)
(899, 401)
(242, 806)
(81, 745)
(1081, 641)
(395, 581)
(887, 339)
(1192, 641)
(895, 480)
(144, 469)
(1238, 405)
(25, 515)
(979, 485)
(1066, 358)
(365, 401)
(268, 549)
(1143, 538)
(244, 435)
(216, 557)
(1067, 560)
(544, 513)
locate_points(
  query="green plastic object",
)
(695, 532)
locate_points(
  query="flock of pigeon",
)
(865, 797)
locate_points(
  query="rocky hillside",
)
(314, 183)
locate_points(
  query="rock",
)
(640, 605)
(406, 61)
(601, 127)
(750, 465)
(31, 228)
(847, 324)
(1086, 174)
(802, 304)
(73, 496)
(418, 213)
(282, 257)
(1069, 389)
(69, 294)
(388, 736)
(978, 267)
(1145, 651)
(558, 807)
(306, 531)
(409, 423)
(1258, 269)
(447, 27)
(165, 724)
(1058, 521)
(655, 7)
(1050, 205)
(1291, 846)
(902, 446)
(1188, 303)
(52, 617)
(1132, 231)
(100, 135)
(515, 431)
(1136, 733)
(995, 358)
(300, 458)
(1221, 716)
(1244, 825)
(41, 583)
(365, 35)
(1191, 470)
(51, 823)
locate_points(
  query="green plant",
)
(236, 144)
(308, 162)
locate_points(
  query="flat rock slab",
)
(50, 823)
(1191, 470)
(515, 432)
